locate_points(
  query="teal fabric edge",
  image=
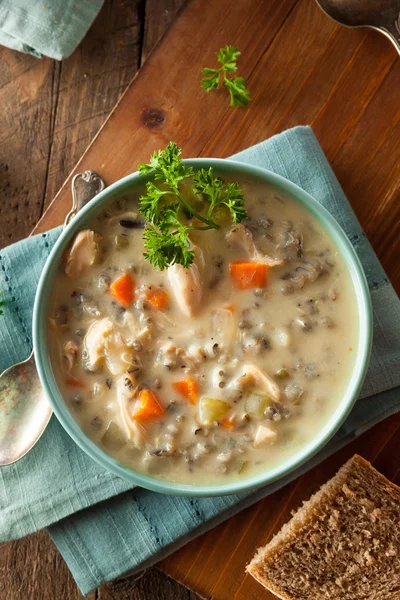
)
(53, 28)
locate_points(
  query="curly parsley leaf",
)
(170, 216)
(235, 201)
(149, 203)
(167, 166)
(227, 57)
(239, 94)
(165, 249)
(219, 193)
(169, 244)
(210, 80)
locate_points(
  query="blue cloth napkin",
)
(101, 524)
(46, 27)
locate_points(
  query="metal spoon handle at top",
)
(24, 409)
(381, 15)
(392, 32)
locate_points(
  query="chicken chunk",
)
(119, 356)
(104, 345)
(126, 391)
(187, 284)
(95, 342)
(84, 253)
(253, 377)
(241, 236)
(136, 332)
(264, 435)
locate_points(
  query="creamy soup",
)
(212, 373)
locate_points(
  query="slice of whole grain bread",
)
(342, 544)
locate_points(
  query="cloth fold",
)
(53, 28)
(102, 525)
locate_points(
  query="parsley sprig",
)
(218, 193)
(240, 95)
(171, 216)
(1, 303)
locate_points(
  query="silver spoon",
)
(382, 15)
(24, 410)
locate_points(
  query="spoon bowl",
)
(24, 413)
(382, 15)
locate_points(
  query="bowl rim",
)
(262, 478)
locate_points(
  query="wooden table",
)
(302, 68)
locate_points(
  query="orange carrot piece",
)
(227, 423)
(247, 275)
(158, 298)
(74, 382)
(188, 388)
(123, 289)
(148, 407)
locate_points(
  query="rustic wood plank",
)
(159, 14)
(24, 140)
(57, 109)
(154, 585)
(177, 100)
(32, 568)
(90, 83)
(292, 81)
(368, 165)
(39, 573)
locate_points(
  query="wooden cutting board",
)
(302, 69)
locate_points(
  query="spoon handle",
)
(392, 32)
(85, 186)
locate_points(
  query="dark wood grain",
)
(302, 68)
(32, 568)
(159, 14)
(51, 111)
(26, 96)
(154, 585)
(88, 84)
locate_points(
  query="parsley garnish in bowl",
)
(179, 199)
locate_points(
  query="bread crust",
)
(359, 472)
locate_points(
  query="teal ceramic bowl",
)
(128, 184)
